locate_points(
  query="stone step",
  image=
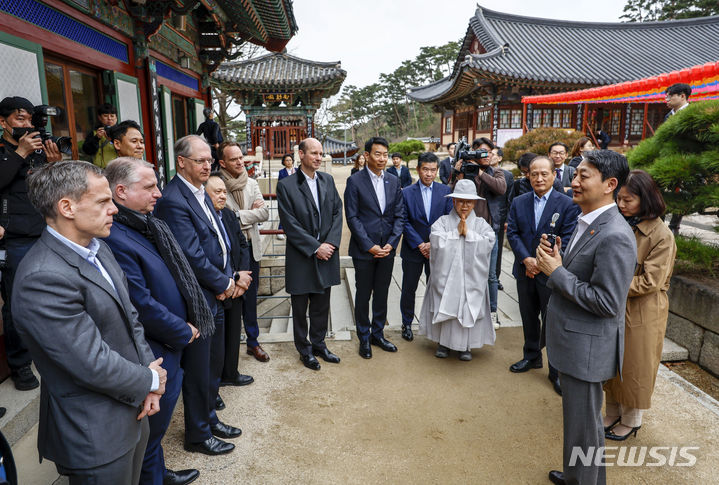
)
(22, 409)
(673, 352)
(279, 325)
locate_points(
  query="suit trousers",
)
(492, 281)
(233, 337)
(122, 471)
(17, 353)
(249, 309)
(153, 465)
(583, 430)
(533, 300)
(319, 306)
(411, 272)
(500, 245)
(372, 279)
(202, 362)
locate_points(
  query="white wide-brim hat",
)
(465, 189)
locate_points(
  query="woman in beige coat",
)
(640, 201)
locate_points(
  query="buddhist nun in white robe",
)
(455, 311)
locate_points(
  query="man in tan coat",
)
(248, 205)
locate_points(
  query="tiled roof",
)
(332, 146)
(566, 54)
(281, 71)
(269, 23)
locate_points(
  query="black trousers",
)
(202, 362)
(372, 279)
(17, 353)
(411, 272)
(319, 306)
(533, 300)
(500, 245)
(249, 309)
(233, 337)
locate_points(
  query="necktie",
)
(559, 173)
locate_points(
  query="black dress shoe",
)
(557, 477)
(555, 384)
(326, 355)
(365, 350)
(524, 365)
(611, 435)
(211, 446)
(180, 477)
(24, 378)
(383, 344)
(2, 412)
(240, 380)
(500, 286)
(219, 403)
(407, 333)
(222, 430)
(310, 362)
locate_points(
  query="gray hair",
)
(123, 171)
(55, 181)
(183, 146)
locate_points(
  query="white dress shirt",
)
(89, 254)
(585, 220)
(378, 184)
(426, 192)
(312, 185)
(200, 196)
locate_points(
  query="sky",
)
(371, 37)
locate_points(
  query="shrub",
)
(683, 157)
(409, 149)
(696, 257)
(538, 141)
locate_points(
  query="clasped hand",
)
(151, 404)
(325, 251)
(548, 258)
(380, 252)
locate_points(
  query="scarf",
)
(236, 186)
(633, 221)
(158, 233)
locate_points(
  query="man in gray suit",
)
(72, 307)
(311, 214)
(585, 314)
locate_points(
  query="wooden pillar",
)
(644, 121)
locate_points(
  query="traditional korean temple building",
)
(504, 57)
(279, 94)
(151, 59)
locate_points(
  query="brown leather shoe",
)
(259, 354)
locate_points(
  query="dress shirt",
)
(378, 184)
(89, 254)
(312, 185)
(200, 196)
(585, 220)
(539, 203)
(426, 198)
(673, 112)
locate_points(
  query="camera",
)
(39, 122)
(466, 155)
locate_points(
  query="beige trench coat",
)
(646, 316)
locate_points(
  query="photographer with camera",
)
(491, 185)
(22, 150)
(98, 145)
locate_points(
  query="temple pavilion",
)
(279, 94)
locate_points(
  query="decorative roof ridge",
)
(438, 81)
(269, 55)
(485, 12)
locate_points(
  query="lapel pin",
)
(591, 233)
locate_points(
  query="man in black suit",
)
(677, 98)
(564, 173)
(240, 261)
(311, 213)
(375, 215)
(503, 204)
(400, 171)
(529, 217)
(187, 209)
(445, 166)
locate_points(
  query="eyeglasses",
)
(200, 161)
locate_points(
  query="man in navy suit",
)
(529, 217)
(445, 166)
(375, 215)
(161, 308)
(187, 209)
(400, 171)
(424, 203)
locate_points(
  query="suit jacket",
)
(367, 224)
(90, 350)
(499, 203)
(405, 178)
(567, 175)
(306, 228)
(153, 291)
(445, 170)
(416, 226)
(523, 238)
(179, 208)
(239, 250)
(283, 173)
(585, 314)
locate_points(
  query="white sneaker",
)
(495, 320)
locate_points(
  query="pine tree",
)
(683, 157)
